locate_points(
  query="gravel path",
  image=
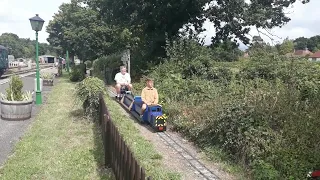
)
(12, 131)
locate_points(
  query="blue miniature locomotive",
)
(153, 114)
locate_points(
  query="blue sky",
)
(15, 14)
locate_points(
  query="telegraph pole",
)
(128, 54)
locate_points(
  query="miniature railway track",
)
(201, 170)
(6, 75)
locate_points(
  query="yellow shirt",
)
(150, 95)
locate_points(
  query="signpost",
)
(126, 58)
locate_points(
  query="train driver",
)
(149, 95)
(122, 78)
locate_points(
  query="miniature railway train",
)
(153, 115)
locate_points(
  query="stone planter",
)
(48, 82)
(16, 110)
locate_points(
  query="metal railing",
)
(118, 155)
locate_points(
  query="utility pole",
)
(128, 54)
(67, 59)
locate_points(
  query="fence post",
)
(126, 165)
(100, 108)
(112, 144)
(138, 171)
(107, 137)
(104, 74)
(121, 158)
(117, 154)
(143, 174)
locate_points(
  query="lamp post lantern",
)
(36, 24)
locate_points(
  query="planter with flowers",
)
(47, 78)
(15, 104)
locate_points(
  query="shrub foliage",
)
(14, 91)
(77, 73)
(87, 92)
(263, 112)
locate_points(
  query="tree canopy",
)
(312, 43)
(92, 28)
(23, 48)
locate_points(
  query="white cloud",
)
(15, 14)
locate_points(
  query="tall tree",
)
(226, 50)
(287, 46)
(23, 48)
(78, 28)
(301, 43)
(156, 19)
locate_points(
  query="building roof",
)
(46, 56)
(302, 52)
(315, 55)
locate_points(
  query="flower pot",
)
(48, 82)
(16, 110)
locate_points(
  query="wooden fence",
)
(117, 154)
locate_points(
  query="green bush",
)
(77, 73)
(87, 92)
(111, 62)
(263, 112)
(14, 91)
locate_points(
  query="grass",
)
(143, 150)
(216, 155)
(60, 144)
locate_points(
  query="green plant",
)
(14, 91)
(47, 76)
(27, 96)
(88, 92)
(77, 73)
(105, 67)
(262, 112)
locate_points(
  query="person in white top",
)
(123, 78)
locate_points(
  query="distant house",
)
(315, 56)
(300, 53)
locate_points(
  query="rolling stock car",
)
(4, 62)
(153, 115)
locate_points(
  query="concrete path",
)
(12, 131)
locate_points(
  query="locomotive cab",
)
(155, 117)
(152, 115)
